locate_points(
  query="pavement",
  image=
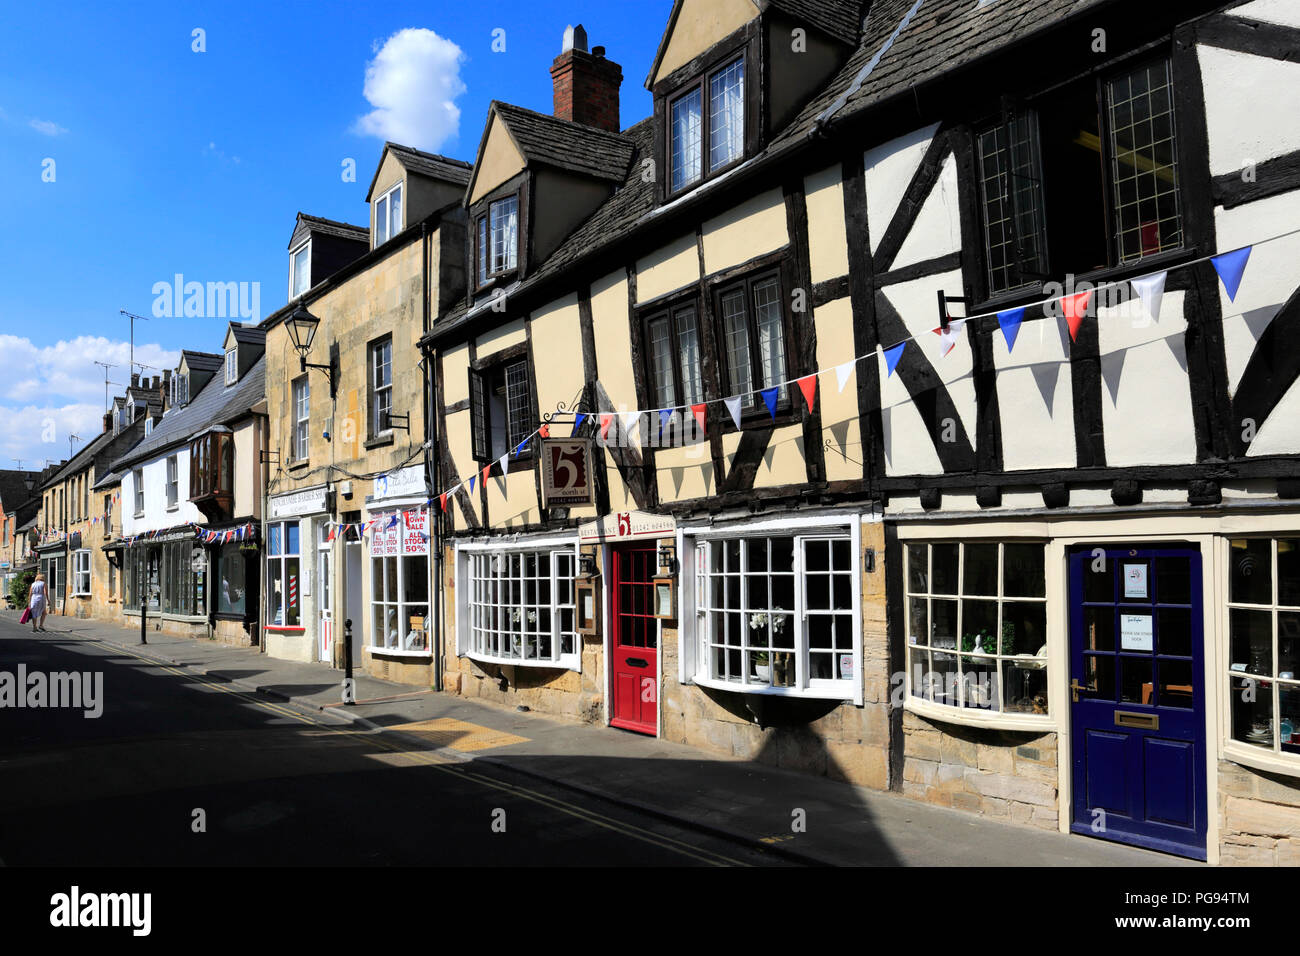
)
(744, 802)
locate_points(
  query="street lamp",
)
(302, 327)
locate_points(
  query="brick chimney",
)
(586, 84)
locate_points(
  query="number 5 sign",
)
(566, 472)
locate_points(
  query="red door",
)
(634, 659)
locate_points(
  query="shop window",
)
(283, 607)
(1264, 643)
(500, 408)
(230, 580)
(399, 582)
(1097, 160)
(976, 616)
(81, 573)
(778, 612)
(520, 607)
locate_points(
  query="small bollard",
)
(144, 622)
(349, 695)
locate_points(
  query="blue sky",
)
(128, 157)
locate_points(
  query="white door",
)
(326, 628)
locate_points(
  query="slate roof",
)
(13, 488)
(248, 334)
(82, 458)
(839, 19)
(329, 227)
(214, 404)
(566, 145)
(426, 164)
(107, 480)
(205, 361)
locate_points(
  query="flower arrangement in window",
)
(778, 668)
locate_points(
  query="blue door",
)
(1137, 691)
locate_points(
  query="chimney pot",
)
(135, 379)
(598, 52)
(586, 85)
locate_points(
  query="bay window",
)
(283, 607)
(519, 606)
(976, 618)
(212, 465)
(1264, 643)
(774, 612)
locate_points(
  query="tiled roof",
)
(13, 488)
(207, 361)
(248, 334)
(214, 404)
(330, 227)
(840, 19)
(567, 145)
(426, 164)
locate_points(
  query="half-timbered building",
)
(911, 399)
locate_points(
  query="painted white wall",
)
(889, 169)
(1251, 105)
(1036, 396)
(1285, 12)
(157, 516)
(937, 230)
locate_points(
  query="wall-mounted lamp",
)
(302, 327)
(668, 557)
(587, 565)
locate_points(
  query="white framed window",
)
(137, 483)
(775, 610)
(81, 573)
(232, 366)
(976, 618)
(1264, 645)
(173, 482)
(399, 582)
(148, 427)
(517, 606)
(300, 270)
(498, 238)
(388, 215)
(381, 386)
(283, 590)
(301, 418)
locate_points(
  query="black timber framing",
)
(861, 283)
(1256, 37)
(1271, 371)
(711, 370)
(909, 207)
(649, 475)
(1273, 177)
(588, 402)
(802, 359)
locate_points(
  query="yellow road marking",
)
(440, 763)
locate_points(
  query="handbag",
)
(27, 615)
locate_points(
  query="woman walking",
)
(39, 603)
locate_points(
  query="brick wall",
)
(586, 89)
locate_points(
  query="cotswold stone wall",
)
(1259, 817)
(995, 773)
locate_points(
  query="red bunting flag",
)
(698, 412)
(605, 421)
(808, 385)
(485, 472)
(1075, 308)
(442, 499)
(544, 431)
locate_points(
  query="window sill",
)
(396, 652)
(286, 628)
(380, 441)
(843, 691)
(1259, 759)
(297, 464)
(992, 720)
(571, 662)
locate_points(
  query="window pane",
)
(736, 342)
(517, 403)
(685, 149)
(395, 211)
(771, 338)
(980, 575)
(1288, 572)
(661, 359)
(1144, 170)
(504, 225)
(727, 115)
(943, 569)
(1251, 568)
(1011, 196)
(688, 348)
(1022, 571)
(482, 250)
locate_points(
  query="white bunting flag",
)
(630, 422)
(948, 338)
(1151, 290)
(733, 406)
(843, 373)
(505, 464)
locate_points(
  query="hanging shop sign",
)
(627, 526)
(566, 472)
(297, 503)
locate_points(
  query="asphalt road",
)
(274, 785)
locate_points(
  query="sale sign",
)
(566, 472)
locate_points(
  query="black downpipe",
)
(431, 468)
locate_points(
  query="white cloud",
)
(412, 83)
(55, 391)
(46, 127)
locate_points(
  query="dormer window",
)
(148, 427)
(498, 239)
(180, 389)
(232, 366)
(300, 270)
(388, 215)
(706, 125)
